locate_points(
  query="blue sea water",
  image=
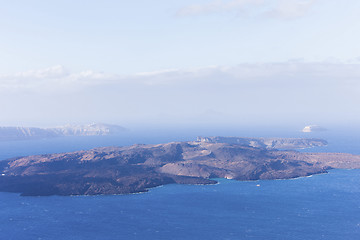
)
(323, 206)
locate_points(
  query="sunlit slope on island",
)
(120, 170)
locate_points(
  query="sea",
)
(325, 206)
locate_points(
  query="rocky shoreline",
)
(137, 168)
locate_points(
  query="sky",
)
(180, 63)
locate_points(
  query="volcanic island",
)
(137, 168)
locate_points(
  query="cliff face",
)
(115, 170)
(20, 133)
(95, 129)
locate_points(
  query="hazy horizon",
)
(187, 64)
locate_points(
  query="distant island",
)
(23, 133)
(313, 128)
(133, 169)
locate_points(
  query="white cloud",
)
(51, 72)
(57, 78)
(52, 78)
(287, 9)
(217, 6)
(274, 92)
(291, 8)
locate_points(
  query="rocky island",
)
(132, 169)
(25, 133)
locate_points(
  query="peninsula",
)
(132, 169)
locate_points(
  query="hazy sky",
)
(212, 62)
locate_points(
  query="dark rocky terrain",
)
(119, 170)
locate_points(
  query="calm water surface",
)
(319, 207)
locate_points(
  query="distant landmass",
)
(94, 129)
(133, 169)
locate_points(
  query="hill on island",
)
(268, 143)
